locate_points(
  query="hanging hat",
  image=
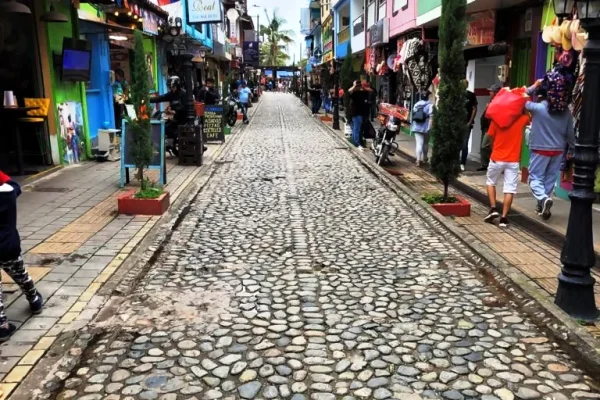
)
(579, 40)
(556, 34)
(547, 34)
(565, 30)
(4, 178)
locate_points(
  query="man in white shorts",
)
(505, 158)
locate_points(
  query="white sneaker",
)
(462, 167)
(361, 148)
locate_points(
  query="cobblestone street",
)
(296, 274)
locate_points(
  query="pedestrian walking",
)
(420, 125)
(486, 140)
(245, 94)
(359, 95)
(551, 132)
(315, 98)
(11, 260)
(471, 106)
(505, 159)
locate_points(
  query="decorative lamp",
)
(13, 7)
(563, 8)
(53, 16)
(588, 11)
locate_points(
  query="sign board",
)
(157, 136)
(480, 28)
(380, 32)
(213, 124)
(251, 54)
(204, 11)
(150, 23)
(318, 53)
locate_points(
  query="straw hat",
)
(565, 30)
(556, 34)
(547, 34)
(579, 40)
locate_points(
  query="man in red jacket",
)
(10, 253)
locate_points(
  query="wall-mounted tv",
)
(76, 60)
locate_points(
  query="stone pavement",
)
(297, 274)
(73, 240)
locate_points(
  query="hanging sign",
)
(251, 54)
(204, 11)
(480, 28)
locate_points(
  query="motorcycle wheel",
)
(231, 120)
(383, 154)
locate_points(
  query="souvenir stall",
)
(566, 41)
(413, 65)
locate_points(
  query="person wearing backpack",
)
(551, 132)
(420, 125)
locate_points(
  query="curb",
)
(508, 280)
(123, 281)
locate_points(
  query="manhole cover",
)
(50, 189)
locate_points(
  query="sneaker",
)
(538, 208)
(546, 208)
(503, 222)
(462, 167)
(361, 148)
(37, 304)
(492, 215)
(7, 331)
(417, 164)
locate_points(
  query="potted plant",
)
(149, 199)
(448, 127)
(454, 206)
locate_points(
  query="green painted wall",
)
(65, 91)
(150, 48)
(424, 6)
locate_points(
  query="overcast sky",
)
(290, 11)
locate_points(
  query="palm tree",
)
(276, 40)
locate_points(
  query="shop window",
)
(382, 10)
(397, 5)
(371, 14)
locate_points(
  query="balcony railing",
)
(358, 26)
(344, 35)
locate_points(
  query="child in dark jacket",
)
(10, 253)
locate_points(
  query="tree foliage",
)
(449, 126)
(276, 39)
(140, 127)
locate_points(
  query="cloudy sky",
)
(290, 11)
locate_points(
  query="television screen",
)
(76, 60)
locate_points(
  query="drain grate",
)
(50, 190)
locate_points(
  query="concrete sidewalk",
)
(73, 241)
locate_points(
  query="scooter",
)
(384, 144)
(171, 132)
(232, 112)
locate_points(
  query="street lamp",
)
(575, 294)
(563, 8)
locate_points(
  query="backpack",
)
(419, 114)
(558, 85)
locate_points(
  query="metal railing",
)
(358, 26)
(343, 35)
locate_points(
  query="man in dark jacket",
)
(177, 98)
(209, 94)
(10, 253)
(486, 140)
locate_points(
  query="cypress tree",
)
(449, 125)
(139, 127)
(346, 80)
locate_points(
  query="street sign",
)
(213, 124)
(318, 53)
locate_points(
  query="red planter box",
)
(325, 118)
(127, 204)
(460, 209)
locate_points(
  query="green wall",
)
(65, 91)
(150, 48)
(424, 6)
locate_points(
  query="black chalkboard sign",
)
(213, 124)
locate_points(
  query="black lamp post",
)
(336, 92)
(575, 293)
(305, 89)
(563, 8)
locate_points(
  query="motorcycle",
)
(171, 131)
(384, 144)
(232, 111)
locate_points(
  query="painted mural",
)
(71, 133)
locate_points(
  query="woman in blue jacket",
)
(10, 253)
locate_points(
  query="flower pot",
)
(227, 129)
(325, 118)
(128, 204)
(460, 209)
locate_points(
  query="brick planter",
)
(127, 204)
(460, 209)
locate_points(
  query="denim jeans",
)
(464, 152)
(543, 172)
(245, 111)
(422, 146)
(316, 104)
(357, 127)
